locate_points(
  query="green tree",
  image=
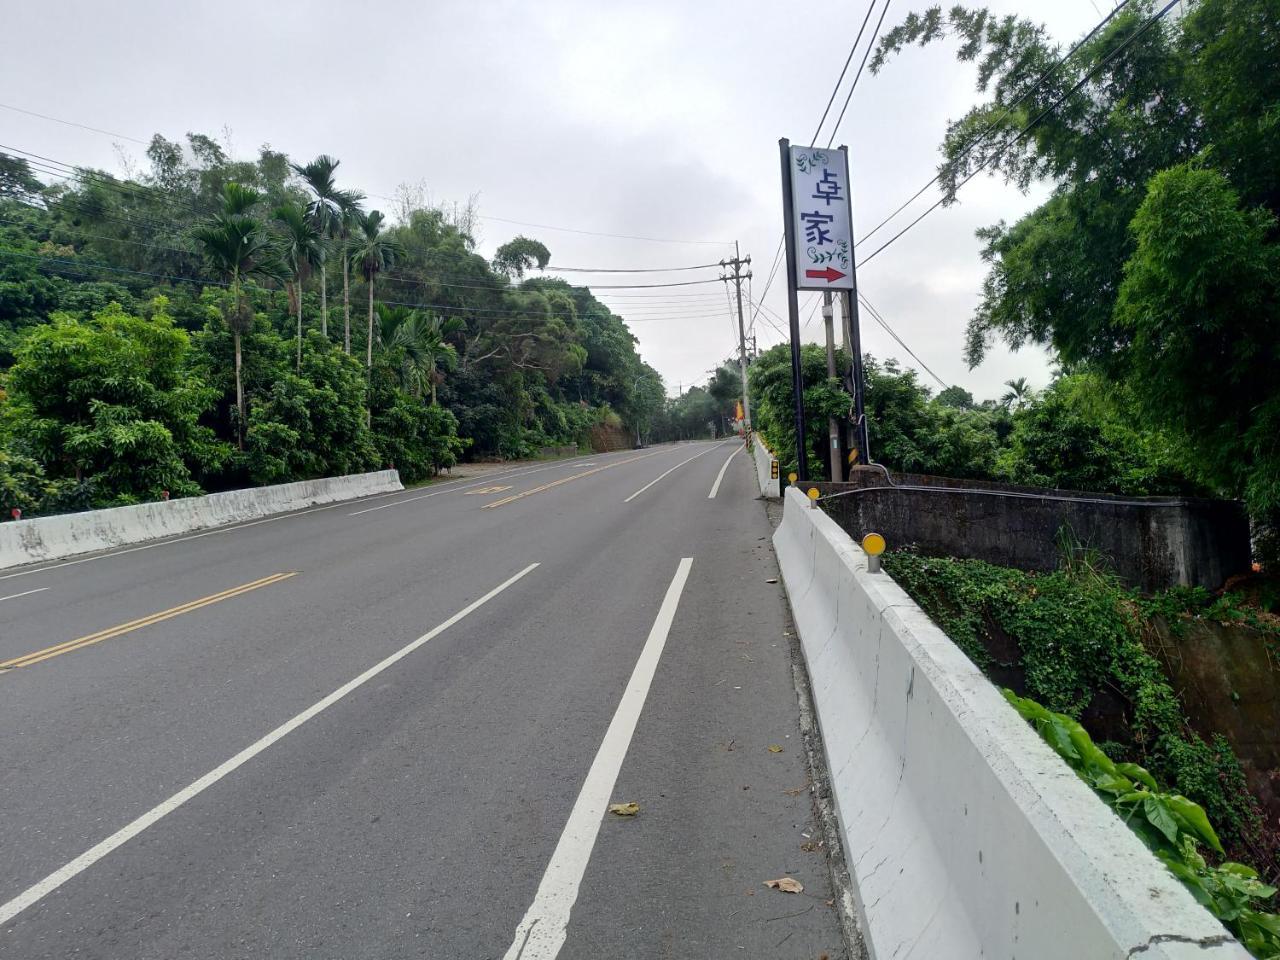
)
(349, 200)
(416, 344)
(16, 179)
(516, 256)
(108, 401)
(372, 251)
(1200, 303)
(771, 388)
(303, 249)
(238, 246)
(1082, 434)
(313, 423)
(1153, 261)
(324, 210)
(1018, 394)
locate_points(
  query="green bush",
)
(1172, 827)
(1078, 632)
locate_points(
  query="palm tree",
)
(418, 340)
(372, 252)
(303, 249)
(324, 210)
(1019, 394)
(347, 223)
(238, 246)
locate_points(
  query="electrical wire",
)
(875, 314)
(80, 265)
(1029, 127)
(853, 86)
(847, 60)
(982, 134)
(700, 266)
(72, 123)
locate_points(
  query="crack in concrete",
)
(1204, 943)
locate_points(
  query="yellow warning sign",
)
(497, 489)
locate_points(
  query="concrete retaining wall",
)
(965, 834)
(1150, 544)
(766, 467)
(67, 535)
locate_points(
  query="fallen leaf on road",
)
(625, 809)
(785, 884)
(774, 748)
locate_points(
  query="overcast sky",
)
(657, 119)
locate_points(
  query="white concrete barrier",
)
(766, 467)
(70, 534)
(966, 835)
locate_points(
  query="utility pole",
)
(857, 380)
(833, 425)
(737, 263)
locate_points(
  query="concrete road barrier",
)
(965, 834)
(71, 534)
(766, 467)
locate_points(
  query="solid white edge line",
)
(542, 932)
(38, 891)
(676, 467)
(25, 593)
(715, 487)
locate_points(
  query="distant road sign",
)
(822, 219)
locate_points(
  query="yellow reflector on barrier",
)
(813, 493)
(873, 544)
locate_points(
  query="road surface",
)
(391, 728)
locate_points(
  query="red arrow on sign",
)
(830, 274)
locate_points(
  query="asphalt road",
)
(390, 729)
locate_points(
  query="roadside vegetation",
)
(211, 322)
(1072, 647)
(1151, 273)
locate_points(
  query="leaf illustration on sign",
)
(807, 161)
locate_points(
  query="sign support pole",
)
(856, 372)
(793, 306)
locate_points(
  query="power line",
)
(1030, 126)
(596, 233)
(853, 86)
(847, 60)
(982, 135)
(700, 266)
(71, 123)
(644, 286)
(152, 191)
(79, 266)
(902, 343)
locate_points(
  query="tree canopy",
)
(171, 331)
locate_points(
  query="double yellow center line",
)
(555, 483)
(80, 642)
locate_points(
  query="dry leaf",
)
(774, 748)
(625, 809)
(785, 884)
